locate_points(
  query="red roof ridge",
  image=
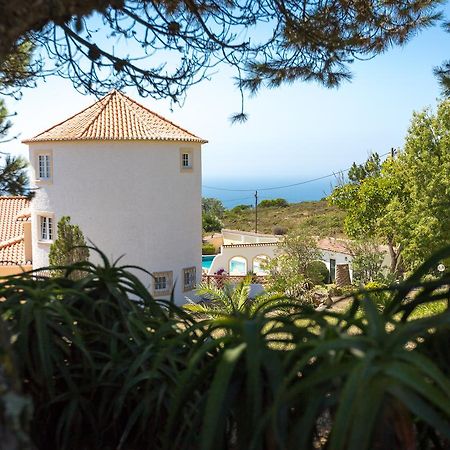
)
(12, 241)
(5, 197)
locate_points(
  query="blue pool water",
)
(207, 261)
(237, 266)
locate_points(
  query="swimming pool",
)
(207, 261)
(238, 265)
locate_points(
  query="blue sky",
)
(294, 132)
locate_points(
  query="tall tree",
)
(68, 248)
(406, 202)
(443, 72)
(15, 72)
(13, 176)
(365, 198)
(267, 41)
(423, 209)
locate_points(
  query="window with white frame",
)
(186, 159)
(46, 228)
(44, 167)
(189, 276)
(162, 283)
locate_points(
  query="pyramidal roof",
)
(116, 117)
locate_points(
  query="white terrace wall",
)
(247, 251)
(251, 251)
(130, 198)
(247, 237)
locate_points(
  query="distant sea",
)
(238, 191)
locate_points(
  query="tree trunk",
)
(395, 254)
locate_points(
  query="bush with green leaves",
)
(211, 223)
(239, 208)
(208, 249)
(318, 272)
(68, 248)
(277, 202)
(367, 262)
(109, 367)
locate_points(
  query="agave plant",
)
(109, 367)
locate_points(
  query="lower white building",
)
(244, 252)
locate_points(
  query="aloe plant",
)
(109, 367)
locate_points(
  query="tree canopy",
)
(405, 202)
(68, 248)
(164, 46)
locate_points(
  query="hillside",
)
(317, 218)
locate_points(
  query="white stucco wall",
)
(249, 252)
(340, 258)
(246, 237)
(129, 198)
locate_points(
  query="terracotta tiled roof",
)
(116, 117)
(333, 245)
(13, 212)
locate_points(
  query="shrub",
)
(68, 248)
(211, 223)
(279, 231)
(278, 202)
(208, 249)
(240, 208)
(107, 372)
(318, 272)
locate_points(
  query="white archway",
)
(237, 266)
(258, 264)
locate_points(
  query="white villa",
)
(131, 180)
(243, 252)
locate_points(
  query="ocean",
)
(233, 191)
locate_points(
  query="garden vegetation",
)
(97, 363)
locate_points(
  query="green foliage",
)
(212, 213)
(17, 68)
(231, 300)
(405, 202)
(213, 207)
(13, 177)
(239, 208)
(318, 272)
(360, 172)
(208, 249)
(276, 202)
(284, 41)
(294, 271)
(16, 409)
(211, 223)
(107, 372)
(367, 262)
(68, 248)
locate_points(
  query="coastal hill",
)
(314, 217)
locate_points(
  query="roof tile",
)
(13, 212)
(116, 117)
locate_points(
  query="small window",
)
(44, 171)
(162, 283)
(186, 159)
(46, 228)
(189, 278)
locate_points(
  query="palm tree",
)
(232, 299)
